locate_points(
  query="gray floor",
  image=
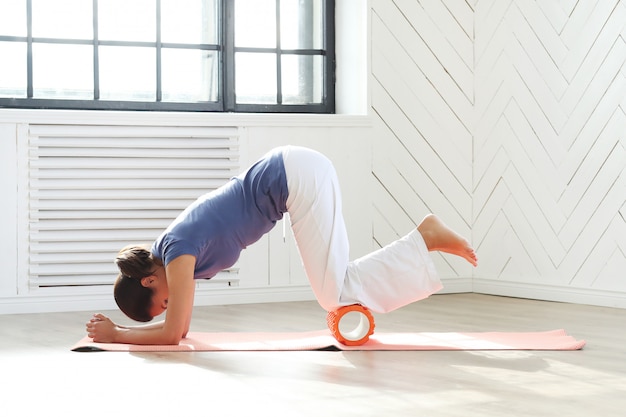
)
(41, 375)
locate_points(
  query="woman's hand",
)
(101, 329)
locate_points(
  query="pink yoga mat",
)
(322, 340)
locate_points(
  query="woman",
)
(210, 234)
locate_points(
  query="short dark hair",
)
(134, 262)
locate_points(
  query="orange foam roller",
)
(357, 336)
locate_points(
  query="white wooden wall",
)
(507, 117)
(422, 98)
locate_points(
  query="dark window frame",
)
(226, 101)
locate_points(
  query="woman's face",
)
(159, 298)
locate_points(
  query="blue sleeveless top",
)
(220, 224)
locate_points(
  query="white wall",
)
(510, 117)
(8, 209)
(549, 151)
(506, 118)
(269, 270)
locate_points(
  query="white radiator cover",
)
(94, 189)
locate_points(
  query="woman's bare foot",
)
(439, 237)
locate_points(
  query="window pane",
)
(13, 77)
(302, 77)
(63, 71)
(71, 19)
(189, 76)
(255, 23)
(255, 78)
(301, 24)
(124, 20)
(12, 18)
(127, 73)
(190, 21)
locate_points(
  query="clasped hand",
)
(101, 329)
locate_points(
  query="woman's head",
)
(131, 291)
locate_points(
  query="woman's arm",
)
(181, 288)
(103, 329)
(155, 325)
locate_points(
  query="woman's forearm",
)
(155, 325)
(102, 329)
(147, 335)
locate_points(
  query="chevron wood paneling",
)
(422, 95)
(509, 119)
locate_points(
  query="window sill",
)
(135, 118)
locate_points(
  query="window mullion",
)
(29, 49)
(159, 87)
(329, 58)
(228, 55)
(96, 53)
(279, 88)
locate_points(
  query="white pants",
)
(389, 278)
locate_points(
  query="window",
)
(185, 55)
